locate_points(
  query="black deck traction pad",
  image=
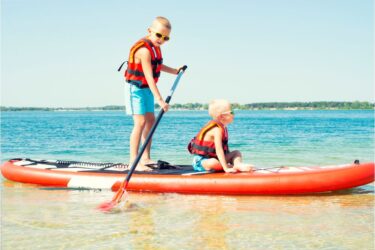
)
(161, 167)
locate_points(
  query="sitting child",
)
(210, 145)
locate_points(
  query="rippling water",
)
(46, 218)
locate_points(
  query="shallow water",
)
(47, 218)
(62, 219)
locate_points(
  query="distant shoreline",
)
(357, 105)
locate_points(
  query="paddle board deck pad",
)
(183, 179)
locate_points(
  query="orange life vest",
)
(134, 72)
(207, 148)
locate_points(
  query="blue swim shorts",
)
(139, 101)
(197, 163)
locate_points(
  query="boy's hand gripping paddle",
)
(118, 197)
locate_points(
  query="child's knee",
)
(139, 123)
(237, 153)
(150, 120)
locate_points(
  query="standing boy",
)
(144, 66)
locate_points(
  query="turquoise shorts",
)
(197, 163)
(139, 101)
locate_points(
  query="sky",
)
(65, 53)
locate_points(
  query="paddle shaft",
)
(153, 128)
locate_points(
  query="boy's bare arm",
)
(170, 70)
(219, 148)
(145, 57)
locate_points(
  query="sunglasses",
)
(158, 35)
(228, 112)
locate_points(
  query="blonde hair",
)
(217, 107)
(163, 21)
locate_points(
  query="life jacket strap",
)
(119, 69)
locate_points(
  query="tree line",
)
(237, 106)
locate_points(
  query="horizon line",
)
(194, 103)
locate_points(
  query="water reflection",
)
(67, 219)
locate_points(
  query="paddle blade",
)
(120, 197)
(107, 206)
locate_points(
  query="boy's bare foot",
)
(141, 167)
(144, 168)
(230, 170)
(148, 162)
(245, 167)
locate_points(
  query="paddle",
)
(118, 197)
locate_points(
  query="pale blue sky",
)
(66, 52)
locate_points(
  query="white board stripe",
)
(20, 163)
(39, 166)
(291, 170)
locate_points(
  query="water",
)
(45, 218)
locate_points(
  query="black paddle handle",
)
(153, 128)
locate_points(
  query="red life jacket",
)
(134, 72)
(207, 148)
